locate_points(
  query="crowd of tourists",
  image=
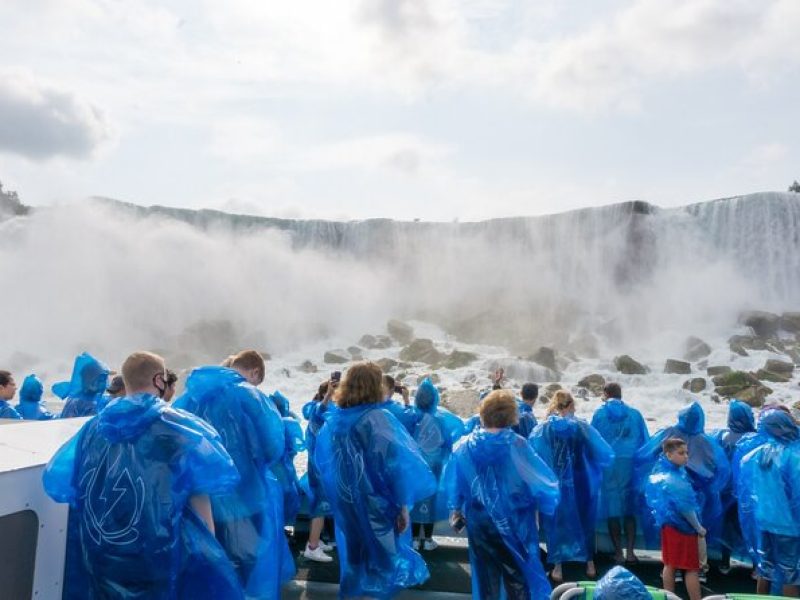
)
(191, 499)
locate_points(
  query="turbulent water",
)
(196, 285)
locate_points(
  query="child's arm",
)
(692, 518)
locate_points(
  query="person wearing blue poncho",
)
(30, 405)
(769, 487)
(137, 478)
(402, 412)
(8, 387)
(708, 467)
(620, 584)
(435, 430)
(495, 485)
(577, 453)
(85, 389)
(674, 506)
(284, 469)
(624, 429)
(372, 472)
(527, 420)
(318, 505)
(249, 519)
(740, 423)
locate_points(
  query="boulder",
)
(765, 375)
(336, 357)
(307, 367)
(594, 383)
(546, 357)
(355, 352)
(739, 379)
(421, 350)
(552, 388)
(781, 367)
(368, 341)
(695, 349)
(383, 341)
(677, 366)
(754, 395)
(458, 358)
(629, 366)
(790, 321)
(718, 370)
(695, 385)
(402, 332)
(463, 403)
(763, 324)
(386, 364)
(748, 342)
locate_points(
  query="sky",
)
(408, 109)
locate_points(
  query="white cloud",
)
(40, 121)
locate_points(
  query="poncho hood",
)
(427, 397)
(31, 390)
(204, 382)
(778, 425)
(89, 379)
(692, 419)
(486, 448)
(128, 417)
(740, 417)
(616, 410)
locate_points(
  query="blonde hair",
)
(139, 369)
(561, 400)
(499, 410)
(361, 384)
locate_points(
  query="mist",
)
(626, 278)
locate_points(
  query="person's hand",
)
(403, 520)
(331, 390)
(702, 532)
(404, 393)
(457, 520)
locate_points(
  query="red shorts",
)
(679, 550)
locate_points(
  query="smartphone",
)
(398, 389)
(336, 376)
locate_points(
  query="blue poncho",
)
(498, 482)
(311, 483)
(577, 454)
(285, 472)
(30, 405)
(625, 431)
(7, 411)
(128, 475)
(435, 430)
(670, 495)
(620, 584)
(85, 389)
(746, 444)
(249, 520)
(405, 414)
(370, 468)
(769, 479)
(740, 423)
(527, 420)
(708, 467)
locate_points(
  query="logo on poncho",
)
(113, 503)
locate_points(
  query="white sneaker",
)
(317, 554)
(327, 547)
(415, 544)
(430, 544)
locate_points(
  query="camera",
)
(336, 376)
(398, 389)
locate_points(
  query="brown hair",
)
(248, 359)
(561, 400)
(139, 369)
(361, 384)
(499, 409)
(5, 378)
(612, 390)
(671, 444)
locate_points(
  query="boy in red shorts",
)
(674, 505)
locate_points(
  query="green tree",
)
(795, 187)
